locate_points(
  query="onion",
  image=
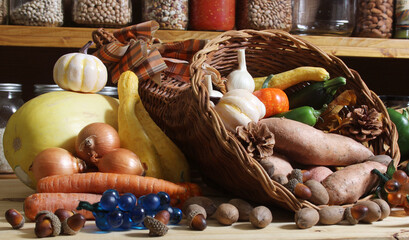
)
(95, 140)
(122, 161)
(56, 161)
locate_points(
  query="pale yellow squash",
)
(52, 120)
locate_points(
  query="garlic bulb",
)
(240, 78)
(238, 107)
(212, 93)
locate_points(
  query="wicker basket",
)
(183, 110)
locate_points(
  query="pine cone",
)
(256, 139)
(362, 124)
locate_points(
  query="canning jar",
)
(45, 88)
(170, 14)
(264, 14)
(10, 101)
(374, 18)
(102, 13)
(47, 13)
(4, 11)
(212, 15)
(401, 19)
(324, 17)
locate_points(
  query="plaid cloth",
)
(132, 48)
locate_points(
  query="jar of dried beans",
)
(264, 14)
(4, 11)
(374, 18)
(102, 13)
(47, 13)
(212, 15)
(170, 14)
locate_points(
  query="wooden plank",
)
(13, 192)
(69, 37)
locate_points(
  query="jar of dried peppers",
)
(212, 15)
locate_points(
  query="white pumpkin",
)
(80, 72)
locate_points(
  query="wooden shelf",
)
(69, 37)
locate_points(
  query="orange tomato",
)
(275, 100)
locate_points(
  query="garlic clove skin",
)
(208, 83)
(240, 78)
(231, 116)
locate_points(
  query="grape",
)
(102, 223)
(392, 186)
(127, 201)
(395, 198)
(164, 199)
(115, 218)
(176, 216)
(150, 202)
(112, 192)
(137, 214)
(127, 221)
(109, 200)
(400, 176)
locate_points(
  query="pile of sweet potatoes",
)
(341, 164)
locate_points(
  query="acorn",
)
(157, 225)
(15, 218)
(73, 224)
(47, 224)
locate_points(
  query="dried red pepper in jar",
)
(212, 15)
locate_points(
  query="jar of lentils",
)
(264, 14)
(374, 18)
(102, 13)
(170, 14)
(4, 11)
(47, 13)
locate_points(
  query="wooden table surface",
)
(13, 192)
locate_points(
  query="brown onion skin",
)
(95, 140)
(56, 161)
(121, 160)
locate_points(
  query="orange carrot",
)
(52, 201)
(98, 182)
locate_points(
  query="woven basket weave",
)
(184, 112)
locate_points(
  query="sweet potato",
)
(319, 173)
(350, 183)
(310, 146)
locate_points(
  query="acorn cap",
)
(156, 227)
(348, 216)
(296, 174)
(76, 221)
(55, 221)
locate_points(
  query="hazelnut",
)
(227, 214)
(244, 208)
(15, 218)
(47, 224)
(260, 217)
(72, 225)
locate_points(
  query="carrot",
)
(98, 182)
(52, 201)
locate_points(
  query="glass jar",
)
(102, 13)
(10, 101)
(170, 14)
(374, 19)
(212, 15)
(324, 17)
(264, 14)
(401, 19)
(4, 11)
(45, 88)
(47, 13)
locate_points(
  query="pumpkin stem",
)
(84, 49)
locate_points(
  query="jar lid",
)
(10, 87)
(109, 91)
(44, 88)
